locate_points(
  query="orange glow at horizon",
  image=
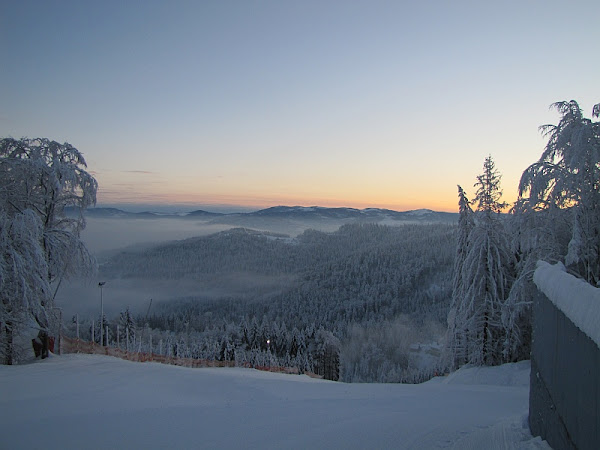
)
(447, 204)
(381, 187)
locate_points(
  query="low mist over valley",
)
(111, 231)
(283, 271)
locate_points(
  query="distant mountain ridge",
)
(288, 213)
(319, 212)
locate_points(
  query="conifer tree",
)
(456, 338)
(127, 326)
(483, 278)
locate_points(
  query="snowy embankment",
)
(89, 401)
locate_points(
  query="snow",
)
(579, 300)
(514, 374)
(91, 401)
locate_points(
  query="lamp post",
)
(101, 285)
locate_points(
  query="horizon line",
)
(234, 208)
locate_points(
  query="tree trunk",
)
(9, 345)
(43, 335)
(485, 340)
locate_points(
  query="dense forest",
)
(361, 295)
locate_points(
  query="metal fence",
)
(564, 399)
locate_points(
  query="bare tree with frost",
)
(40, 244)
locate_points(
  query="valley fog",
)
(361, 295)
(107, 237)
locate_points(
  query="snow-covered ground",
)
(86, 401)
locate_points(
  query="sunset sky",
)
(262, 103)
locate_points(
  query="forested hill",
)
(234, 250)
(244, 250)
(374, 287)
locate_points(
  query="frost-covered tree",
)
(39, 178)
(326, 355)
(126, 327)
(567, 177)
(483, 277)
(47, 177)
(556, 217)
(488, 276)
(23, 276)
(456, 338)
(488, 192)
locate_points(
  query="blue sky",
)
(260, 103)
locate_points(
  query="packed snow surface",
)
(579, 300)
(90, 401)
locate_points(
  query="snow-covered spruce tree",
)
(567, 177)
(326, 355)
(455, 352)
(127, 327)
(40, 178)
(484, 278)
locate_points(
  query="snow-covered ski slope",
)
(99, 402)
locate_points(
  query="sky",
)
(262, 103)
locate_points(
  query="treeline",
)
(556, 218)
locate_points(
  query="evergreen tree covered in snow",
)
(488, 192)
(483, 278)
(456, 338)
(126, 327)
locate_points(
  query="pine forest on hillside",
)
(362, 295)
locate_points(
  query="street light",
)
(101, 285)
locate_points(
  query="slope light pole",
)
(101, 285)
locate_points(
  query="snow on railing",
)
(576, 298)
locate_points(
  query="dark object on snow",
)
(37, 347)
(42, 344)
